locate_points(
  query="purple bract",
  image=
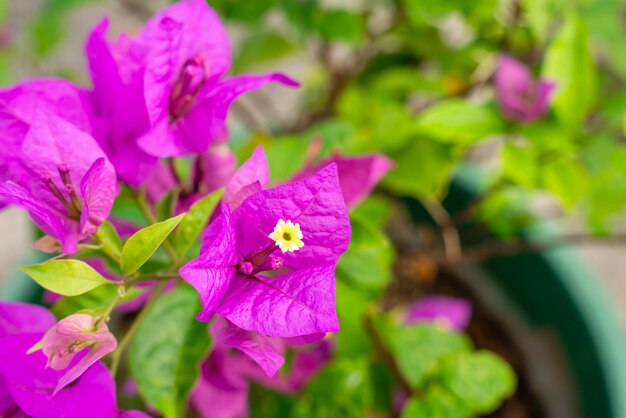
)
(521, 98)
(258, 285)
(62, 178)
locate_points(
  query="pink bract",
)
(521, 98)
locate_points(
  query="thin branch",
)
(385, 354)
(117, 354)
(449, 234)
(497, 248)
(171, 163)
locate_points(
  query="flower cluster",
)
(265, 270)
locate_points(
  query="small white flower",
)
(287, 236)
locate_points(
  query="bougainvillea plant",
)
(196, 270)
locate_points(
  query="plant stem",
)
(117, 355)
(107, 252)
(496, 248)
(110, 308)
(385, 355)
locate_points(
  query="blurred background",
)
(42, 38)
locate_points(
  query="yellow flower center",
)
(287, 236)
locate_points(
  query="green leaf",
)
(607, 194)
(94, 301)
(519, 164)
(286, 156)
(480, 380)
(542, 14)
(3, 10)
(423, 169)
(125, 207)
(300, 13)
(420, 12)
(65, 277)
(351, 303)
(435, 403)
(506, 211)
(138, 249)
(417, 349)
(460, 122)
(167, 350)
(569, 63)
(382, 123)
(108, 236)
(259, 48)
(367, 263)
(248, 12)
(195, 220)
(341, 389)
(567, 179)
(48, 27)
(342, 25)
(376, 209)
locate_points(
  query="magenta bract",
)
(27, 385)
(358, 174)
(449, 312)
(69, 186)
(235, 278)
(19, 106)
(521, 98)
(171, 76)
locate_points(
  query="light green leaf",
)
(108, 236)
(519, 164)
(506, 211)
(367, 263)
(423, 169)
(286, 156)
(343, 25)
(351, 303)
(94, 301)
(480, 380)
(459, 122)
(567, 179)
(65, 277)
(421, 12)
(569, 63)
(138, 249)
(418, 348)
(435, 403)
(376, 209)
(195, 220)
(542, 14)
(342, 389)
(167, 350)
